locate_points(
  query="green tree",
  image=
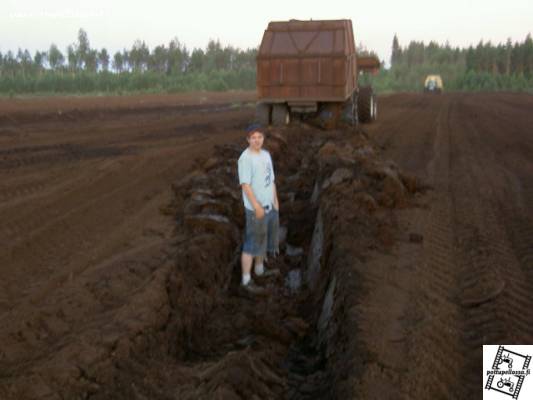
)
(91, 61)
(158, 59)
(103, 59)
(25, 61)
(83, 48)
(72, 58)
(517, 61)
(197, 60)
(508, 55)
(10, 64)
(39, 59)
(139, 55)
(246, 59)
(213, 56)
(126, 60)
(528, 56)
(118, 62)
(55, 57)
(177, 58)
(396, 54)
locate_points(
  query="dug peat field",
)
(406, 245)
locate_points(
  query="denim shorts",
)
(261, 235)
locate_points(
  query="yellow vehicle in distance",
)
(433, 84)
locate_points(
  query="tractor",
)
(433, 84)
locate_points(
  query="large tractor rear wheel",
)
(262, 113)
(367, 104)
(354, 108)
(280, 115)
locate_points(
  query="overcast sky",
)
(117, 24)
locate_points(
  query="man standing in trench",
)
(256, 177)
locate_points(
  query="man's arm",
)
(276, 202)
(259, 211)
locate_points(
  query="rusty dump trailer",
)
(312, 67)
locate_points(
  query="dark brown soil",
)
(408, 246)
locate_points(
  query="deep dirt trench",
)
(338, 202)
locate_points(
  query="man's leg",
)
(259, 268)
(271, 245)
(248, 248)
(246, 266)
(255, 242)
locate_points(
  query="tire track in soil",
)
(33, 188)
(33, 223)
(24, 157)
(412, 109)
(496, 293)
(515, 167)
(474, 282)
(407, 134)
(395, 298)
(57, 326)
(23, 190)
(520, 228)
(16, 230)
(434, 344)
(42, 232)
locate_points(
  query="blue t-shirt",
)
(256, 169)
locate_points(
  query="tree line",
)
(509, 58)
(173, 67)
(170, 67)
(485, 66)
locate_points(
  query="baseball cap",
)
(255, 127)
